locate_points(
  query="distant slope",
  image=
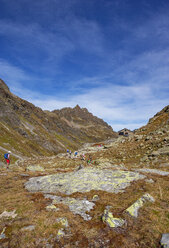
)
(149, 144)
(28, 130)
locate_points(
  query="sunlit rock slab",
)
(84, 180)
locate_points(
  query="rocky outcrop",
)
(76, 206)
(84, 180)
(111, 220)
(133, 209)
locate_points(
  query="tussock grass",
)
(143, 232)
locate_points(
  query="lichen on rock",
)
(165, 240)
(76, 206)
(84, 180)
(133, 209)
(111, 221)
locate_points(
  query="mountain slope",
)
(30, 131)
(149, 144)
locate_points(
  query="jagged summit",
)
(31, 131)
(3, 86)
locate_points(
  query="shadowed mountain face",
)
(28, 130)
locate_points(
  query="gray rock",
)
(28, 228)
(3, 174)
(52, 207)
(149, 181)
(76, 206)
(61, 233)
(63, 221)
(83, 180)
(112, 221)
(165, 240)
(133, 209)
(164, 150)
(138, 137)
(154, 171)
(35, 168)
(2, 234)
(155, 153)
(95, 198)
(24, 175)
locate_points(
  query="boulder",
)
(63, 222)
(6, 214)
(95, 198)
(155, 153)
(2, 234)
(165, 240)
(111, 221)
(28, 228)
(76, 206)
(133, 209)
(84, 180)
(164, 150)
(52, 208)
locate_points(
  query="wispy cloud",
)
(120, 106)
(118, 71)
(12, 75)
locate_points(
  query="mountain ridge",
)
(38, 132)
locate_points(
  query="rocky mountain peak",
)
(77, 107)
(35, 131)
(3, 86)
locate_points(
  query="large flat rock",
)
(83, 180)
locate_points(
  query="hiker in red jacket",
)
(6, 156)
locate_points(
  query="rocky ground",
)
(63, 201)
(118, 199)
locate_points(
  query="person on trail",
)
(6, 156)
(75, 154)
(83, 157)
(89, 161)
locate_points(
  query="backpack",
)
(6, 155)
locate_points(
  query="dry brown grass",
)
(143, 232)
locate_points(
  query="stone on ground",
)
(154, 171)
(63, 221)
(52, 208)
(28, 228)
(76, 206)
(35, 168)
(2, 234)
(111, 221)
(6, 214)
(133, 209)
(84, 180)
(165, 240)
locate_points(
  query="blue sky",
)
(110, 56)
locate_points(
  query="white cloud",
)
(12, 75)
(120, 106)
(134, 87)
